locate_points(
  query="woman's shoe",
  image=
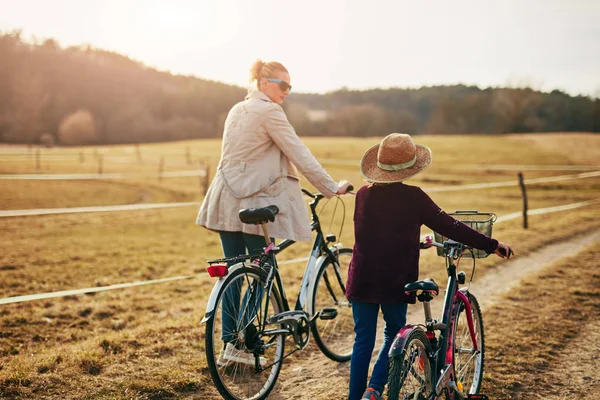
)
(231, 354)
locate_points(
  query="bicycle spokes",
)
(468, 353)
(334, 331)
(414, 365)
(243, 362)
(410, 372)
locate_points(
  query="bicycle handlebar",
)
(309, 194)
(315, 195)
(448, 243)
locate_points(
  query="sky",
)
(330, 44)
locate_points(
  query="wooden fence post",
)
(202, 168)
(38, 161)
(161, 166)
(100, 162)
(138, 153)
(81, 158)
(524, 193)
(188, 156)
(206, 177)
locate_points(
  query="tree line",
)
(83, 95)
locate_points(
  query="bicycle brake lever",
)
(427, 243)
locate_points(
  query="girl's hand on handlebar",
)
(504, 250)
(344, 187)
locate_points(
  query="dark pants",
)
(365, 328)
(235, 244)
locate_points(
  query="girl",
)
(387, 223)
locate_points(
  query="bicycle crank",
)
(296, 322)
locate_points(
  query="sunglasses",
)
(283, 85)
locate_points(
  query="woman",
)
(260, 158)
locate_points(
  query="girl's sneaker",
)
(372, 394)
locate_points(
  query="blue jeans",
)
(365, 328)
(235, 244)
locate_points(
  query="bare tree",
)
(359, 120)
(78, 128)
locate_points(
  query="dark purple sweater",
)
(387, 226)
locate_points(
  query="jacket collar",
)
(254, 93)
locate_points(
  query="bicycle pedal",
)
(288, 317)
(328, 313)
(477, 396)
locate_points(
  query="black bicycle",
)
(248, 317)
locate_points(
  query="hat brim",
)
(371, 172)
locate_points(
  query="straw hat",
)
(395, 159)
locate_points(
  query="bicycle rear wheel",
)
(468, 362)
(233, 338)
(410, 372)
(335, 337)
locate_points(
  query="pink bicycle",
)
(443, 359)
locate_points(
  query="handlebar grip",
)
(502, 251)
(306, 192)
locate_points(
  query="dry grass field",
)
(147, 342)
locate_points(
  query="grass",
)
(25, 194)
(146, 342)
(536, 325)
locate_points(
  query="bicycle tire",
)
(468, 366)
(335, 337)
(235, 380)
(410, 371)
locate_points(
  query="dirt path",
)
(496, 284)
(313, 376)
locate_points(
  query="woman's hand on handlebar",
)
(504, 250)
(344, 187)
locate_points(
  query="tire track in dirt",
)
(312, 375)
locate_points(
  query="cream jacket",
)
(259, 156)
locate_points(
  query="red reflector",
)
(217, 270)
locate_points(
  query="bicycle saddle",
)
(258, 215)
(426, 285)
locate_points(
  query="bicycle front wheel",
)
(335, 337)
(410, 372)
(235, 344)
(468, 361)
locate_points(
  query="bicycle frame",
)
(319, 253)
(442, 357)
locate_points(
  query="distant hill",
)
(446, 110)
(83, 95)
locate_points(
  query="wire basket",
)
(481, 222)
